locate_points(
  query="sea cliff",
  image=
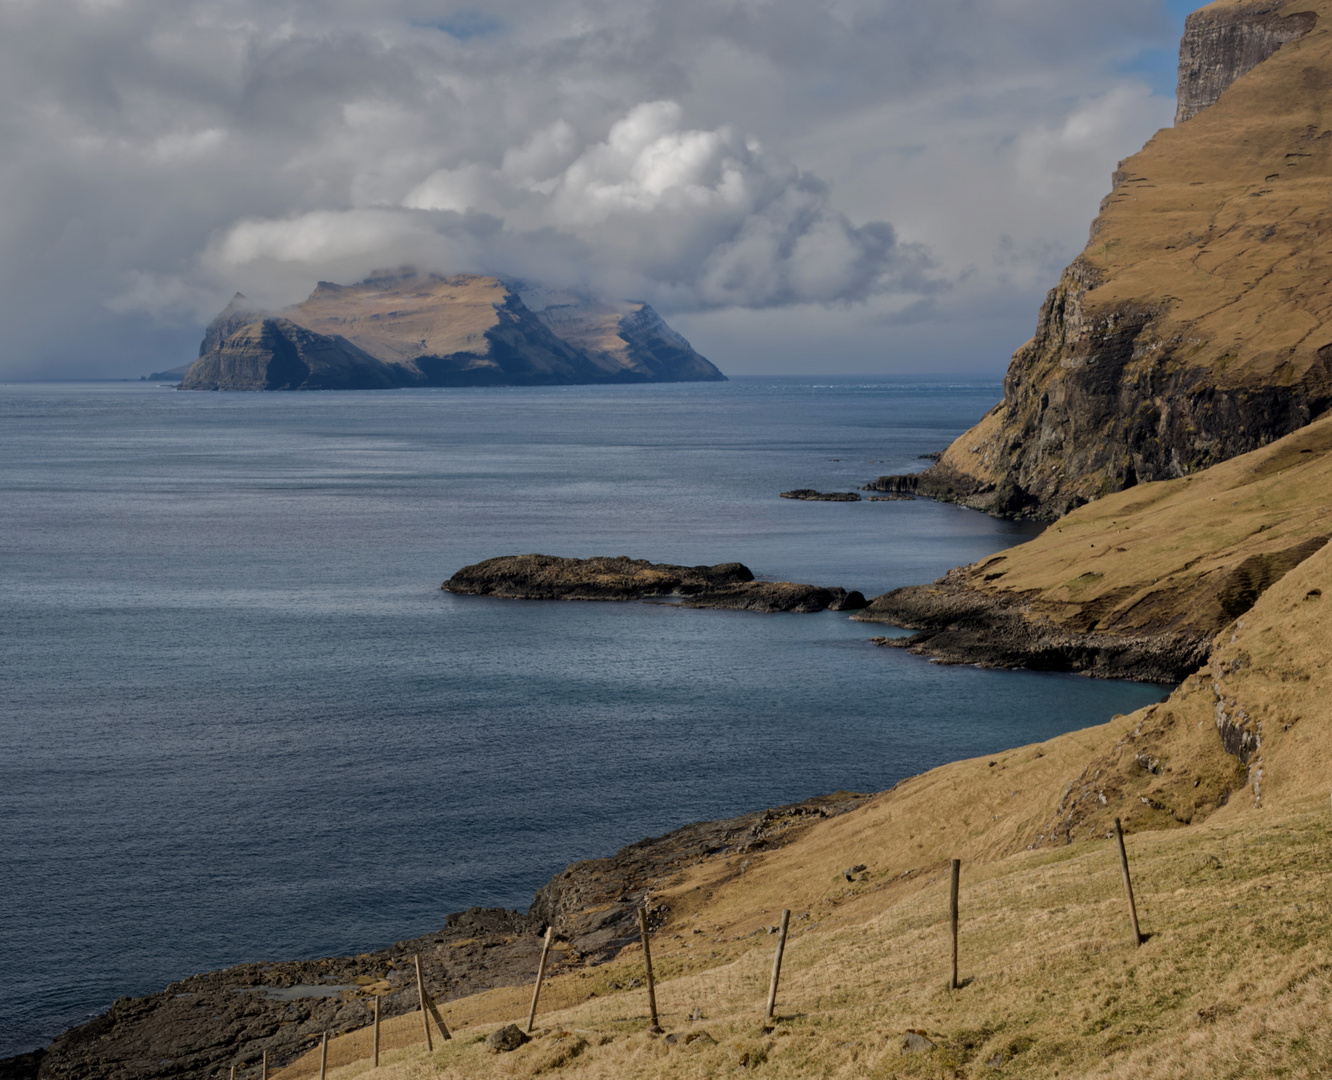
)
(1196, 325)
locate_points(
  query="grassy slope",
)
(1164, 556)
(1226, 215)
(1235, 981)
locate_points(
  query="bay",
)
(239, 720)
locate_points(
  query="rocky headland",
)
(403, 328)
(726, 585)
(1197, 323)
(1139, 583)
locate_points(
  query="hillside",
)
(1197, 323)
(1223, 790)
(1135, 584)
(410, 329)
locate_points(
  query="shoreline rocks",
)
(203, 1025)
(726, 585)
(958, 624)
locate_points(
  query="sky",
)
(799, 186)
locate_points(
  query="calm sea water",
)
(239, 720)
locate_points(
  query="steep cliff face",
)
(408, 329)
(1224, 41)
(1197, 323)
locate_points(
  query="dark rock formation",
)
(201, 1026)
(726, 585)
(963, 618)
(810, 495)
(1222, 44)
(958, 624)
(405, 329)
(775, 596)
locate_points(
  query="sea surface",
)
(239, 719)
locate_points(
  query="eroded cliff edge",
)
(1197, 323)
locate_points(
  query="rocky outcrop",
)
(1196, 326)
(406, 329)
(810, 495)
(1223, 43)
(204, 1025)
(957, 623)
(726, 585)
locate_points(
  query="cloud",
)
(840, 161)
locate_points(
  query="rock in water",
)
(1192, 328)
(726, 585)
(810, 495)
(408, 329)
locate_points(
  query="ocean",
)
(239, 720)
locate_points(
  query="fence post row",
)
(428, 1008)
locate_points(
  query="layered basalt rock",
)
(1221, 43)
(1197, 324)
(726, 585)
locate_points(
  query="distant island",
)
(404, 328)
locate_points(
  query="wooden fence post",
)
(1128, 884)
(777, 963)
(439, 1020)
(956, 875)
(420, 993)
(323, 1057)
(647, 960)
(541, 974)
(263, 1067)
(376, 1037)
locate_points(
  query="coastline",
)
(202, 1025)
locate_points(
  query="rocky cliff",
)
(409, 329)
(1197, 323)
(1226, 40)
